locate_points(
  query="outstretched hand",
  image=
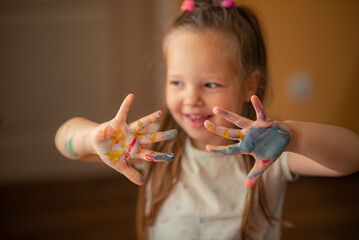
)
(116, 141)
(264, 139)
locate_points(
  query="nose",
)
(193, 97)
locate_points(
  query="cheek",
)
(172, 100)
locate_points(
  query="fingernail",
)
(141, 180)
(164, 157)
(170, 134)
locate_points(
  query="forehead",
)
(208, 43)
(219, 40)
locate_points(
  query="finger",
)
(132, 174)
(224, 150)
(234, 134)
(153, 156)
(258, 107)
(239, 121)
(253, 175)
(157, 137)
(145, 121)
(123, 111)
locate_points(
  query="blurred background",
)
(60, 59)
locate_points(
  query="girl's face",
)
(200, 77)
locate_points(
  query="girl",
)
(215, 56)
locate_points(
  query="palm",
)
(116, 141)
(264, 139)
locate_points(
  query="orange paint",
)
(240, 135)
(153, 138)
(139, 123)
(105, 132)
(226, 133)
(115, 155)
(211, 128)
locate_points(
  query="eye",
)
(212, 85)
(176, 83)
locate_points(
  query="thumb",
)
(253, 176)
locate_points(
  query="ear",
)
(252, 85)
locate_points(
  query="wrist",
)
(89, 139)
(291, 128)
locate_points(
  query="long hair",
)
(248, 54)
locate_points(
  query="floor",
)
(320, 208)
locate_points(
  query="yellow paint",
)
(118, 139)
(115, 155)
(139, 123)
(240, 135)
(153, 138)
(211, 128)
(136, 131)
(149, 119)
(226, 133)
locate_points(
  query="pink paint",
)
(149, 157)
(130, 147)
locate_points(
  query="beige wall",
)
(60, 59)
(319, 38)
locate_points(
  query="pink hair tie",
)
(187, 5)
(228, 3)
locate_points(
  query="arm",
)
(322, 150)
(314, 149)
(114, 142)
(73, 140)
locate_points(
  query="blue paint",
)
(223, 113)
(170, 134)
(231, 150)
(159, 116)
(254, 175)
(164, 157)
(204, 160)
(201, 221)
(266, 143)
(141, 179)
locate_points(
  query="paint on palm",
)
(126, 144)
(118, 147)
(264, 139)
(264, 143)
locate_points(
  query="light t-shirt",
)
(208, 201)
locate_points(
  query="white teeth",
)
(197, 116)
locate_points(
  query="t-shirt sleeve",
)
(286, 173)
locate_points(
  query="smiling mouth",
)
(197, 120)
